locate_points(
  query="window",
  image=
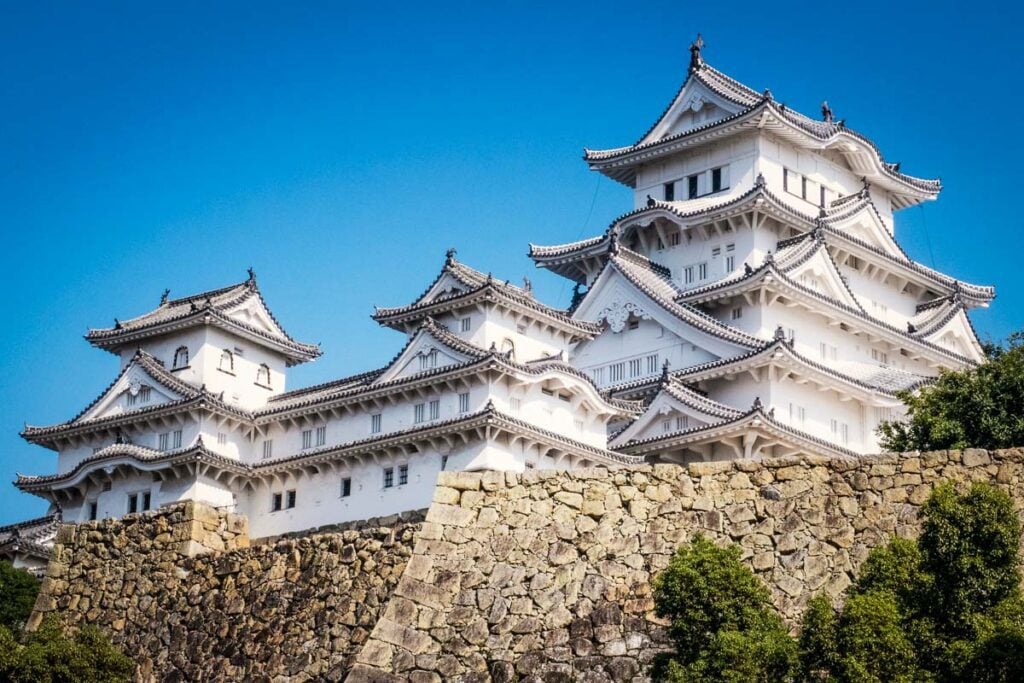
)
(93, 509)
(670, 192)
(176, 439)
(673, 239)
(716, 252)
(737, 313)
(730, 258)
(290, 499)
(880, 356)
(598, 375)
(227, 361)
(403, 475)
(144, 394)
(828, 352)
(702, 271)
(222, 439)
(464, 402)
(162, 441)
(389, 477)
(147, 499)
(181, 357)
(276, 501)
(508, 348)
(263, 375)
(634, 324)
(578, 424)
(515, 404)
(464, 324)
(634, 367)
(691, 187)
(797, 414)
(133, 503)
(716, 180)
(435, 409)
(268, 449)
(428, 361)
(666, 426)
(131, 399)
(823, 200)
(375, 424)
(652, 364)
(688, 275)
(419, 412)
(307, 438)
(844, 433)
(346, 487)
(617, 372)
(682, 422)
(321, 436)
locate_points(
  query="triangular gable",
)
(819, 273)
(613, 299)
(423, 345)
(254, 313)
(866, 226)
(666, 414)
(695, 105)
(957, 335)
(446, 285)
(132, 381)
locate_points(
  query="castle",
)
(754, 304)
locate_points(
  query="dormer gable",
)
(694, 106)
(816, 271)
(956, 334)
(430, 348)
(676, 408)
(142, 384)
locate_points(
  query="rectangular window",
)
(670, 192)
(844, 433)
(435, 409)
(716, 252)
(737, 313)
(307, 438)
(464, 402)
(144, 394)
(515, 404)
(321, 435)
(634, 367)
(268, 449)
(222, 439)
(803, 188)
(730, 263)
(666, 426)
(688, 275)
(375, 424)
(419, 413)
(579, 425)
(691, 187)
(176, 440)
(716, 180)
(133, 503)
(403, 475)
(276, 502)
(702, 271)
(598, 375)
(162, 441)
(464, 324)
(652, 364)
(823, 348)
(93, 509)
(682, 422)
(131, 399)
(673, 239)
(346, 487)
(822, 202)
(617, 372)
(147, 500)
(834, 423)
(796, 414)
(389, 477)
(290, 499)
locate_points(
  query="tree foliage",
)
(48, 656)
(18, 590)
(980, 407)
(947, 607)
(722, 622)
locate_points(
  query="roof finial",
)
(163, 297)
(252, 275)
(613, 244)
(664, 372)
(865, 186)
(760, 181)
(747, 270)
(449, 256)
(527, 285)
(757, 403)
(780, 333)
(769, 258)
(117, 324)
(650, 201)
(577, 297)
(768, 95)
(696, 61)
(911, 329)
(826, 112)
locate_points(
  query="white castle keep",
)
(755, 303)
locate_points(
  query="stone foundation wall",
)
(183, 595)
(547, 576)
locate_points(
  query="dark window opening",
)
(691, 184)
(276, 502)
(147, 500)
(670, 192)
(93, 510)
(346, 487)
(716, 180)
(291, 499)
(133, 503)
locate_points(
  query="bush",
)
(48, 656)
(722, 622)
(18, 590)
(980, 407)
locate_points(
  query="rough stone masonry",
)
(539, 576)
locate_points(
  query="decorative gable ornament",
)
(617, 313)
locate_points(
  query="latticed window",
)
(403, 474)
(263, 375)
(227, 361)
(181, 357)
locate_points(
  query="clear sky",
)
(340, 147)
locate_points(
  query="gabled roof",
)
(459, 285)
(33, 537)
(183, 396)
(747, 110)
(654, 283)
(239, 308)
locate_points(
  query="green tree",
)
(947, 607)
(48, 656)
(18, 591)
(722, 622)
(980, 407)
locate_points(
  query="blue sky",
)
(340, 148)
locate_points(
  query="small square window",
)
(403, 474)
(389, 477)
(419, 413)
(464, 402)
(307, 438)
(162, 441)
(222, 439)
(176, 440)
(375, 424)
(435, 409)
(464, 324)
(346, 487)
(321, 436)
(737, 313)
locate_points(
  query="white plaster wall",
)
(737, 153)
